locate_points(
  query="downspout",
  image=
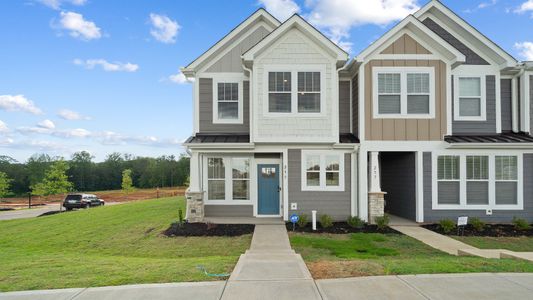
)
(250, 105)
(516, 100)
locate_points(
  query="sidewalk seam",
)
(79, 293)
(413, 287)
(512, 281)
(223, 289)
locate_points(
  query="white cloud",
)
(46, 124)
(164, 29)
(526, 50)
(71, 115)
(281, 9)
(3, 127)
(107, 66)
(337, 17)
(525, 7)
(56, 4)
(73, 133)
(18, 103)
(78, 26)
(180, 78)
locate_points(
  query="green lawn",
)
(111, 245)
(519, 244)
(364, 254)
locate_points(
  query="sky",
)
(103, 76)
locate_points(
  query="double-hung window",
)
(295, 92)
(506, 180)
(322, 171)
(448, 176)
(469, 99)
(404, 92)
(477, 180)
(228, 179)
(227, 101)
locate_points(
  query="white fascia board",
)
(469, 28)
(197, 146)
(419, 30)
(304, 27)
(260, 14)
(504, 146)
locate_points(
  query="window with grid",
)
(418, 93)
(279, 92)
(470, 97)
(322, 171)
(228, 100)
(477, 179)
(332, 170)
(240, 178)
(448, 176)
(216, 179)
(389, 93)
(308, 92)
(506, 179)
(313, 170)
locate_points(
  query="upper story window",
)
(322, 171)
(404, 92)
(228, 101)
(295, 92)
(469, 102)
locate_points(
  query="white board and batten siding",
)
(295, 52)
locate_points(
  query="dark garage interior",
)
(398, 180)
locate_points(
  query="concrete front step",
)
(266, 252)
(485, 253)
(517, 255)
(270, 267)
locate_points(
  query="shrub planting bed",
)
(491, 230)
(203, 229)
(340, 228)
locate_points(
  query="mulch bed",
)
(6, 208)
(340, 228)
(491, 230)
(203, 229)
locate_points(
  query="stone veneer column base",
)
(376, 206)
(195, 206)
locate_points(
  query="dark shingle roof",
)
(505, 137)
(348, 138)
(202, 138)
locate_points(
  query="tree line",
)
(86, 175)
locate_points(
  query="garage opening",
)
(398, 180)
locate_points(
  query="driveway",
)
(33, 212)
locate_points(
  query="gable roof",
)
(296, 21)
(420, 30)
(488, 43)
(259, 15)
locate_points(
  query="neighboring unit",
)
(430, 121)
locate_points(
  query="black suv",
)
(81, 201)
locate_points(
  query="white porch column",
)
(374, 176)
(194, 175)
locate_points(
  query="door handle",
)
(279, 188)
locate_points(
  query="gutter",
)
(491, 146)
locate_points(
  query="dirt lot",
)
(109, 196)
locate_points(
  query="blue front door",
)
(268, 189)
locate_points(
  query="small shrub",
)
(477, 224)
(382, 222)
(355, 222)
(447, 225)
(326, 221)
(302, 221)
(520, 224)
(181, 220)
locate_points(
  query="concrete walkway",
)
(484, 286)
(455, 247)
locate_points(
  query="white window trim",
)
(228, 78)
(294, 69)
(322, 186)
(492, 183)
(483, 99)
(403, 92)
(228, 177)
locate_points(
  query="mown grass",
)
(112, 245)
(519, 244)
(365, 254)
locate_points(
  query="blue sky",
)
(103, 76)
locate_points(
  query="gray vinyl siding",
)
(206, 110)
(530, 102)
(335, 204)
(506, 102)
(431, 215)
(229, 210)
(355, 105)
(231, 61)
(480, 127)
(398, 180)
(344, 107)
(472, 58)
